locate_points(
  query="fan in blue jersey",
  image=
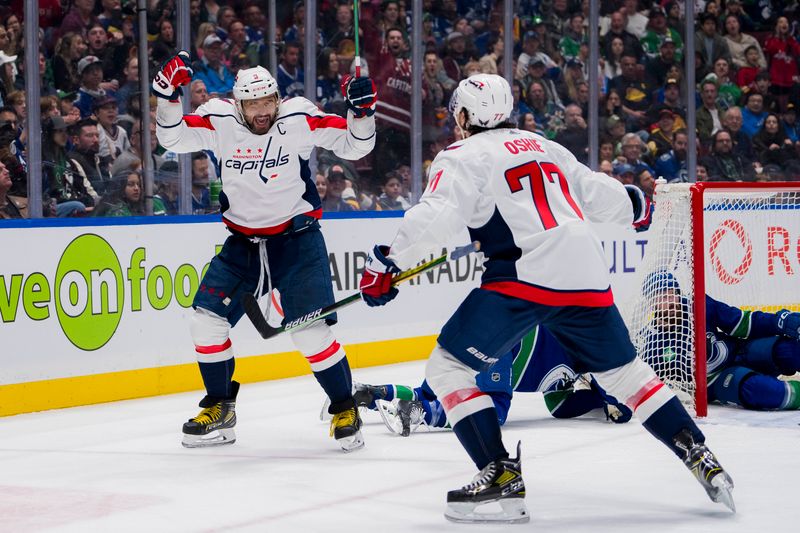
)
(536, 364)
(746, 351)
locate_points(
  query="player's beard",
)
(260, 124)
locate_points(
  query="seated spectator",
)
(781, 50)
(613, 59)
(10, 206)
(763, 85)
(634, 150)
(130, 83)
(201, 201)
(391, 199)
(519, 108)
(606, 149)
(616, 28)
(624, 173)
(660, 139)
(237, 44)
(167, 187)
(670, 98)
(729, 92)
(612, 105)
(527, 122)
(753, 114)
(494, 54)
(113, 139)
(672, 165)
(133, 157)
(746, 75)
(658, 32)
(789, 123)
(573, 36)
(646, 182)
(198, 94)
(112, 54)
(71, 47)
(723, 164)
(456, 56)
(657, 68)
(742, 145)
(574, 136)
(126, 198)
(90, 70)
(739, 43)
(65, 181)
(86, 145)
(211, 70)
(333, 201)
(702, 171)
(709, 119)
(291, 77)
(773, 146)
(635, 94)
(342, 26)
(615, 129)
(329, 93)
(321, 183)
(710, 44)
(546, 113)
(537, 73)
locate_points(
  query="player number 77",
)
(256, 316)
(537, 172)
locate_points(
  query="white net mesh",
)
(752, 260)
(660, 317)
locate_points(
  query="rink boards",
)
(99, 312)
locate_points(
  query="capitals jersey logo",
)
(245, 160)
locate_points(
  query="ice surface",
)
(120, 467)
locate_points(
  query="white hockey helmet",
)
(252, 83)
(486, 98)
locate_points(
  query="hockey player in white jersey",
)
(529, 202)
(270, 204)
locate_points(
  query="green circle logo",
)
(89, 292)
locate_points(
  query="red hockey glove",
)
(360, 94)
(376, 281)
(175, 73)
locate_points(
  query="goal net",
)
(738, 243)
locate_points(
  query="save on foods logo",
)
(91, 288)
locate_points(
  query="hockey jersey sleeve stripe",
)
(196, 121)
(540, 295)
(326, 121)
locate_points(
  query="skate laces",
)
(482, 478)
(209, 414)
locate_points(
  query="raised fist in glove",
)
(789, 323)
(175, 73)
(376, 281)
(360, 95)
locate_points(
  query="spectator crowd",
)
(747, 93)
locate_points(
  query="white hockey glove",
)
(175, 73)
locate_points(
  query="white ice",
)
(120, 467)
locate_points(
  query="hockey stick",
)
(256, 316)
(355, 36)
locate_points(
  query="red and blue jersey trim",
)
(552, 297)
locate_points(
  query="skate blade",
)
(352, 443)
(324, 415)
(389, 417)
(723, 492)
(215, 438)
(513, 511)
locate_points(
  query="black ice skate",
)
(705, 467)
(363, 395)
(346, 425)
(401, 416)
(214, 425)
(500, 481)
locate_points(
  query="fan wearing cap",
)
(658, 31)
(90, 70)
(113, 138)
(789, 122)
(211, 70)
(661, 132)
(270, 204)
(657, 68)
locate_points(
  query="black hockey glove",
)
(789, 323)
(175, 73)
(360, 95)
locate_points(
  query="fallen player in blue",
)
(535, 364)
(746, 351)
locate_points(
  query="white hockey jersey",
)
(266, 179)
(529, 202)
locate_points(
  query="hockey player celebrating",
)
(270, 205)
(746, 351)
(536, 364)
(528, 201)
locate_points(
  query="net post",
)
(699, 305)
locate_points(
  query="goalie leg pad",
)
(327, 359)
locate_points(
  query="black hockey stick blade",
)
(259, 321)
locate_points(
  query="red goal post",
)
(738, 243)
